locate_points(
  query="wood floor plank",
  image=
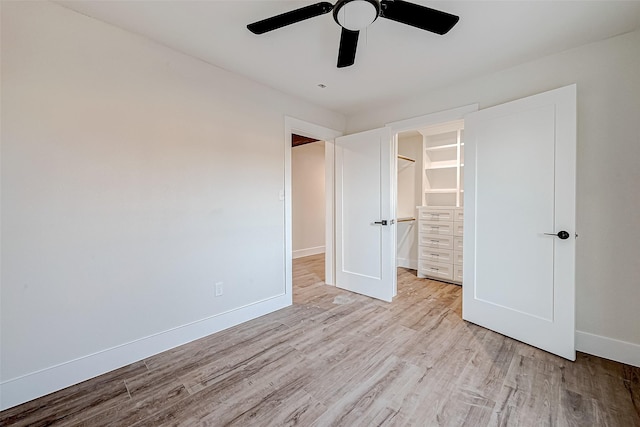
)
(151, 395)
(296, 315)
(74, 403)
(631, 380)
(444, 342)
(243, 389)
(531, 394)
(289, 406)
(465, 408)
(576, 410)
(343, 359)
(599, 379)
(335, 372)
(239, 364)
(487, 369)
(338, 324)
(361, 400)
(200, 351)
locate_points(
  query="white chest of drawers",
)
(440, 232)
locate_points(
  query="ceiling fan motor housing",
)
(356, 15)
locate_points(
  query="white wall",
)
(608, 201)
(133, 178)
(308, 199)
(409, 196)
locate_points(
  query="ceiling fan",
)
(356, 15)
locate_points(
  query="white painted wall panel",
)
(133, 178)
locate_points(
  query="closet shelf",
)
(441, 147)
(441, 190)
(445, 164)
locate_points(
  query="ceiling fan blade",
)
(290, 17)
(348, 46)
(418, 16)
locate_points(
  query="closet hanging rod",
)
(406, 219)
(406, 158)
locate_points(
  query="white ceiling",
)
(393, 60)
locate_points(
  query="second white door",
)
(365, 229)
(519, 247)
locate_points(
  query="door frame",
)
(431, 119)
(304, 128)
(419, 122)
(293, 125)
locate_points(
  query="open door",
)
(365, 217)
(519, 247)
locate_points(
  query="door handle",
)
(561, 234)
(383, 222)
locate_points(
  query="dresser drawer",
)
(436, 269)
(458, 214)
(436, 227)
(430, 214)
(457, 257)
(457, 273)
(435, 241)
(457, 243)
(433, 254)
(458, 228)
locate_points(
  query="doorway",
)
(317, 133)
(308, 182)
(429, 195)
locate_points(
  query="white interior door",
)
(365, 245)
(519, 274)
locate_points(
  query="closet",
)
(437, 230)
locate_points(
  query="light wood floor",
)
(336, 358)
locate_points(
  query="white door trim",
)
(431, 119)
(312, 130)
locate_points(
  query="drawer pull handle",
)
(435, 241)
(435, 254)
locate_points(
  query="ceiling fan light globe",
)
(356, 15)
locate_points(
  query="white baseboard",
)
(609, 348)
(308, 251)
(36, 384)
(407, 263)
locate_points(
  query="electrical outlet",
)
(219, 290)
